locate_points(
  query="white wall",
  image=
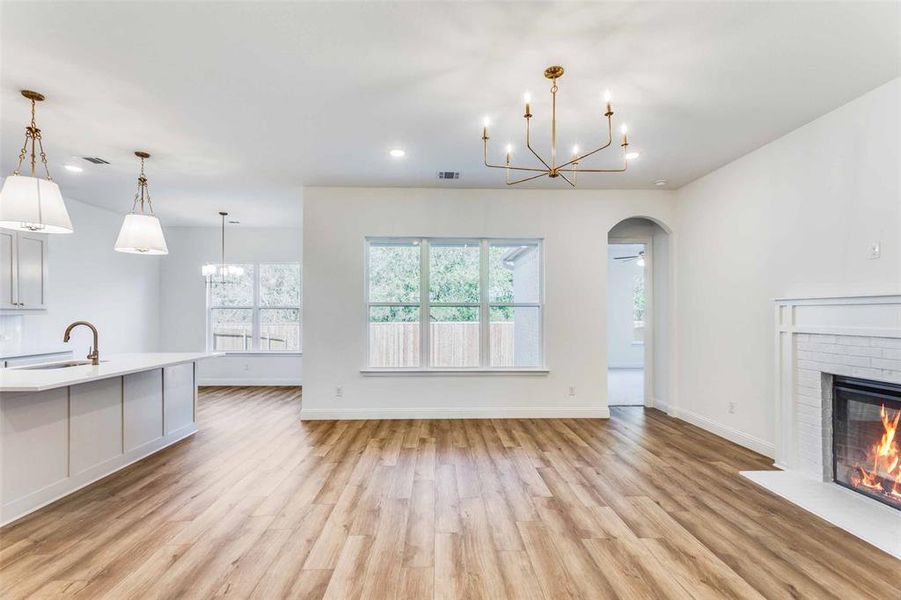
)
(662, 327)
(793, 218)
(89, 281)
(183, 303)
(574, 225)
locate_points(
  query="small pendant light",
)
(222, 271)
(29, 203)
(141, 232)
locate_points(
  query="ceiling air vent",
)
(448, 174)
(96, 160)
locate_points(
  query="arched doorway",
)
(639, 315)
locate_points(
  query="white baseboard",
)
(724, 431)
(557, 412)
(249, 382)
(625, 365)
(661, 405)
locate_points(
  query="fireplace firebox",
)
(866, 448)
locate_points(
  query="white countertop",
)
(114, 365)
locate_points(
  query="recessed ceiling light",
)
(73, 168)
(397, 153)
(632, 155)
(660, 182)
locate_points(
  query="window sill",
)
(257, 353)
(445, 372)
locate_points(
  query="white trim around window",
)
(484, 306)
(253, 344)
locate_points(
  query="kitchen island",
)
(65, 425)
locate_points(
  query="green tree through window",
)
(638, 298)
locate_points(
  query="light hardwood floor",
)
(261, 505)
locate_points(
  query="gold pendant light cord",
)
(222, 268)
(143, 193)
(33, 135)
(554, 124)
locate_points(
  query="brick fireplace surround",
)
(816, 339)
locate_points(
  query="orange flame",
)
(885, 457)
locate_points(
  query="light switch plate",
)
(874, 251)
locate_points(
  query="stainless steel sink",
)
(56, 365)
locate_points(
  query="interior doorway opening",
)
(639, 327)
(626, 311)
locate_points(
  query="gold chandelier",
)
(550, 168)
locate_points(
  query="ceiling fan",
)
(639, 258)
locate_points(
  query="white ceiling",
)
(242, 104)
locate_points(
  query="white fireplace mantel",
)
(816, 339)
(846, 325)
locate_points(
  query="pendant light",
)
(222, 271)
(141, 232)
(28, 202)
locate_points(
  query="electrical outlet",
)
(572, 390)
(246, 366)
(874, 251)
(732, 408)
(339, 392)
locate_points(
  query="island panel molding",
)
(142, 420)
(178, 397)
(95, 423)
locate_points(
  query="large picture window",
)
(257, 311)
(454, 303)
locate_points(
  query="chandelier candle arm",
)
(567, 180)
(528, 178)
(579, 159)
(625, 147)
(508, 167)
(529, 142)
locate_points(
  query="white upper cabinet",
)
(7, 269)
(23, 270)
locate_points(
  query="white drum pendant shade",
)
(141, 234)
(33, 204)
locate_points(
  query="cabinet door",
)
(142, 416)
(34, 451)
(7, 269)
(95, 424)
(32, 270)
(178, 397)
